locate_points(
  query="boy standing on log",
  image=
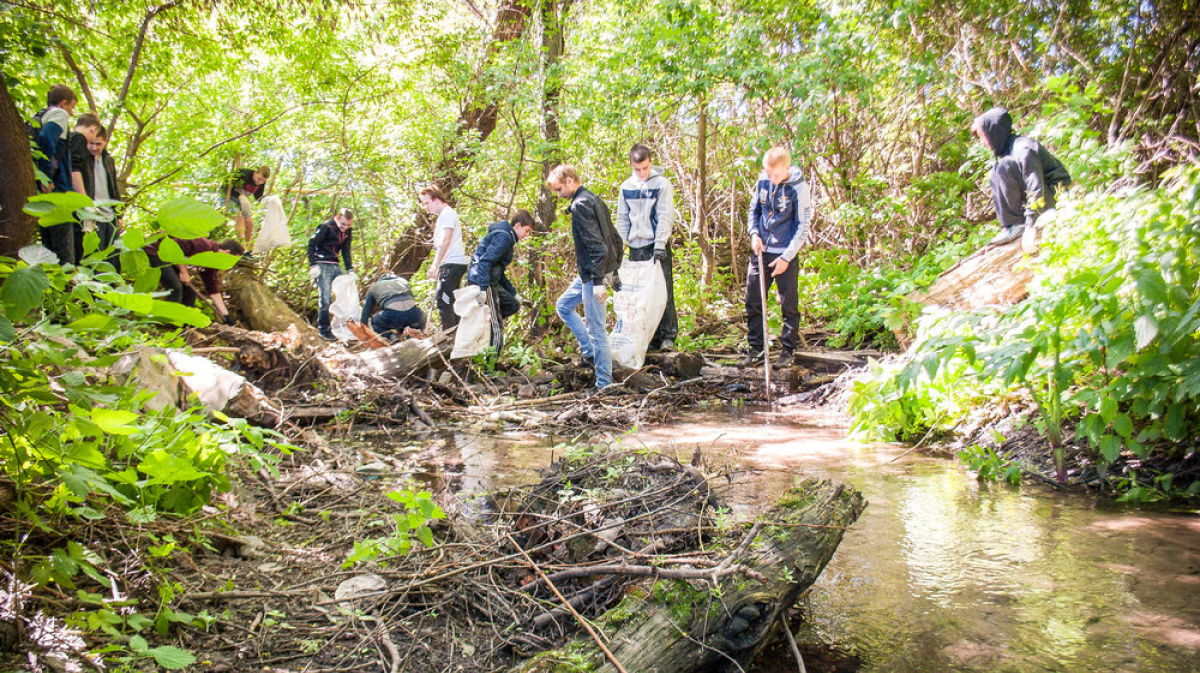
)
(778, 221)
(645, 214)
(598, 252)
(1025, 177)
(331, 239)
(450, 257)
(491, 259)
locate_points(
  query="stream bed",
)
(942, 572)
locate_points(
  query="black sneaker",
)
(328, 336)
(754, 359)
(585, 362)
(784, 360)
(668, 346)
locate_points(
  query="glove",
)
(227, 319)
(599, 293)
(615, 282)
(314, 272)
(660, 255)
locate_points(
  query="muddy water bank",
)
(941, 572)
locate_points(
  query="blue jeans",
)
(391, 324)
(592, 336)
(329, 271)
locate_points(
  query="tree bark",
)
(676, 628)
(994, 275)
(261, 309)
(476, 122)
(16, 177)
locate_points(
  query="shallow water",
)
(942, 572)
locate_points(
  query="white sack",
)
(475, 323)
(639, 307)
(345, 306)
(274, 232)
(213, 384)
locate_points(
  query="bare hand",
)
(778, 266)
(756, 244)
(432, 273)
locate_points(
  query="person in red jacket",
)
(177, 280)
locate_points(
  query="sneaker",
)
(668, 346)
(784, 360)
(1007, 234)
(754, 359)
(328, 336)
(585, 361)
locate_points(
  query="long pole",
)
(762, 289)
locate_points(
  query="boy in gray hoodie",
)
(645, 215)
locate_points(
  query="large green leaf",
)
(170, 252)
(214, 260)
(93, 322)
(188, 218)
(178, 313)
(51, 209)
(172, 658)
(22, 291)
(7, 331)
(136, 302)
(115, 421)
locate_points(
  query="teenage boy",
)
(598, 251)
(100, 179)
(645, 214)
(82, 162)
(491, 258)
(1025, 177)
(778, 221)
(398, 308)
(52, 140)
(330, 239)
(238, 189)
(450, 257)
(176, 279)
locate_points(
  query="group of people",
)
(1024, 182)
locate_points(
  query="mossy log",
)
(260, 308)
(678, 626)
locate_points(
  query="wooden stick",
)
(583, 622)
(762, 289)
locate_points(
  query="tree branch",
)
(136, 55)
(79, 76)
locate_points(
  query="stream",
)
(942, 572)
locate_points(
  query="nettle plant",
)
(81, 444)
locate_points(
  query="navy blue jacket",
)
(492, 256)
(327, 242)
(598, 247)
(780, 214)
(57, 164)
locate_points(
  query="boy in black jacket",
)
(331, 239)
(598, 252)
(491, 258)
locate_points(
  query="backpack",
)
(33, 127)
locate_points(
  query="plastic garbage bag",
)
(639, 306)
(345, 306)
(474, 325)
(274, 232)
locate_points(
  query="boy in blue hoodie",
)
(778, 221)
(492, 257)
(52, 140)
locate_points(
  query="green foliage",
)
(409, 524)
(989, 466)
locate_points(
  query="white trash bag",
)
(274, 232)
(345, 306)
(474, 325)
(639, 307)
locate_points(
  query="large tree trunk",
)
(16, 177)
(476, 122)
(676, 628)
(995, 275)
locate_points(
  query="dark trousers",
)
(504, 305)
(788, 300)
(396, 322)
(169, 280)
(449, 279)
(60, 239)
(107, 231)
(668, 326)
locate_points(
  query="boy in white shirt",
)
(450, 258)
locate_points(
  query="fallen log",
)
(260, 308)
(272, 361)
(995, 275)
(406, 357)
(682, 626)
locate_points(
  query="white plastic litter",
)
(345, 306)
(214, 385)
(274, 232)
(639, 307)
(474, 325)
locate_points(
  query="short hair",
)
(232, 247)
(562, 174)
(434, 193)
(639, 153)
(523, 218)
(264, 171)
(776, 156)
(102, 133)
(88, 119)
(346, 213)
(59, 94)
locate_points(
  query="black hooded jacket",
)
(1026, 175)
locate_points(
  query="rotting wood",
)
(260, 308)
(995, 275)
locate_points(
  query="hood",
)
(996, 125)
(655, 171)
(502, 225)
(389, 276)
(794, 177)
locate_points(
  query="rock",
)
(360, 586)
(681, 365)
(527, 392)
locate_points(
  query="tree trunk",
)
(702, 237)
(994, 275)
(261, 309)
(411, 356)
(476, 122)
(16, 177)
(676, 628)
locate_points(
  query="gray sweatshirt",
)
(645, 211)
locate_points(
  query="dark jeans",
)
(169, 280)
(389, 320)
(668, 326)
(60, 239)
(107, 231)
(329, 271)
(449, 279)
(788, 300)
(504, 305)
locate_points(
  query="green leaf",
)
(1108, 409)
(22, 291)
(214, 260)
(166, 468)
(1145, 328)
(115, 421)
(1123, 425)
(178, 313)
(7, 331)
(93, 322)
(138, 644)
(133, 239)
(1110, 448)
(51, 209)
(137, 302)
(170, 252)
(188, 218)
